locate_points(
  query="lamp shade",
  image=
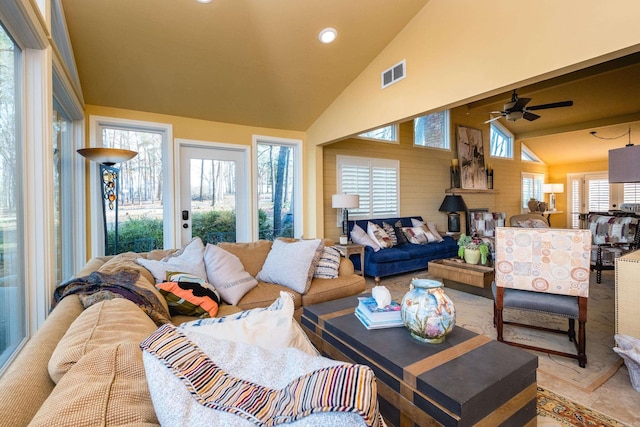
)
(453, 203)
(624, 164)
(107, 156)
(345, 201)
(553, 188)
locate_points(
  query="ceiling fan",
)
(516, 109)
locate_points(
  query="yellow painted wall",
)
(463, 50)
(424, 174)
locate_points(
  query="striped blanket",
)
(340, 388)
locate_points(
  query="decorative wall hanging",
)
(471, 156)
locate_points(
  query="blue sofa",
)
(402, 258)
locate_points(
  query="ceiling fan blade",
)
(530, 116)
(552, 105)
(520, 103)
(493, 119)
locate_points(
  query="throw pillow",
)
(103, 324)
(391, 233)
(107, 387)
(227, 274)
(189, 295)
(429, 227)
(359, 236)
(378, 235)
(268, 327)
(418, 235)
(292, 264)
(275, 369)
(328, 265)
(402, 239)
(189, 261)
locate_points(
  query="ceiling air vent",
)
(395, 73)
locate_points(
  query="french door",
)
(214, 193)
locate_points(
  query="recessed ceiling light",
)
(204, 1)
(328, 35)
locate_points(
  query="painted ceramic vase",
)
(427, 311)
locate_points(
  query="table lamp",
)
(453, 204)
(552, 189)
(345, 202)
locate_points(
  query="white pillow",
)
(359, 236)
(329, 264)
(428, 226)
(227, 274)
(275, 369)
(270, 327)
(292, 264)
(378, 235)
(189, 261)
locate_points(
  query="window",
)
(531, 188)
(145, 194)
(631, 193)
(376, 181)
(432, 130)
(501, 143)
(386, 134)
(278, 185)
(62, 195)
(528, 156)
(13, 299)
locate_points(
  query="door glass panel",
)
(61, 192)
(12, 287)
(275, 191)
(140, 182)
(213, 200)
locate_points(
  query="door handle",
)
(185, 216)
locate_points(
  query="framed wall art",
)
(471, 156)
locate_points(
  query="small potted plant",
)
(472, 249)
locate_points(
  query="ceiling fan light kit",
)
(517, 109)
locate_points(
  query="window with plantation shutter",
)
(631, 192)
(531, 188)
(598, 199)
(374, 180)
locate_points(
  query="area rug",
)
(475, 313)
(554, 410)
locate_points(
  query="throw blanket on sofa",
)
(340, 388)
(100, 286)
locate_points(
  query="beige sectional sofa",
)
(94, 353)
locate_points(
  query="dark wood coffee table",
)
(468, 380)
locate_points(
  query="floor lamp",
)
(107, 158)
(345, 202)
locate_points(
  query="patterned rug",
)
(554, 410)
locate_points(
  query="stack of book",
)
(373, 317)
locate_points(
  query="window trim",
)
(525, 149)
(96, 123)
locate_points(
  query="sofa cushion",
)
(359, 236)
(252, 254)
(106, 387)
(323, 290)
(431, 227)
(103, 324)
(418, 235)
(378, 235)
(391, 232)
(328, 265)
(264, 294)
(402, 239)
(292, 264)
(187, 260)
(274, 369)
(393, 254)
(269, 327)
(227, 274)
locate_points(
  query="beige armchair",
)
(544, 270)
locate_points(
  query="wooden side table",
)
(352, 249)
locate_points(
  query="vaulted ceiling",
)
(260, 63)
